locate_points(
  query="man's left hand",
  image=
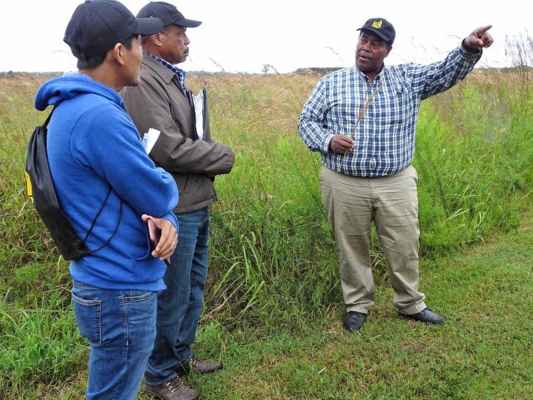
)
(479, 39)
(169, 237)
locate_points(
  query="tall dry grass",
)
(273, 263)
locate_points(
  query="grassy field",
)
(273, 305)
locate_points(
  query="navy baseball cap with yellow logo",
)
(381, 27)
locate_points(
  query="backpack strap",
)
(94, 222)
(45, 125)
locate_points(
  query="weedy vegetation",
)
(273, 303)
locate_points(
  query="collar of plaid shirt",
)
(179, 72)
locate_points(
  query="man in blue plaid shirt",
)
(363, 121)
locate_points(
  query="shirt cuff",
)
(470, 53)
(327, 143)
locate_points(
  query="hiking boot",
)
(173, 389)
(199, 366)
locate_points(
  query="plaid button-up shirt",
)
(385, 135)
(179, 72)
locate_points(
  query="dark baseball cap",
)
(381, 27)
(167, 13)
(98, 25)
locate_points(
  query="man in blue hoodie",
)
(108, 186)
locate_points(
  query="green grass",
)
(273, 303)
(482, 352)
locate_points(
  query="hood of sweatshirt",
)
(69, 86)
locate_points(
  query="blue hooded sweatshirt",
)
(93, 145)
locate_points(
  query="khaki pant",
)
(391, 202)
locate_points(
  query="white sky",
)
(244, 35)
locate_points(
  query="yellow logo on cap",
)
(377, 24)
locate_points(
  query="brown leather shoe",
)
(173, 389)
(199, 366)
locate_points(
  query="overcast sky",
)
(244, 35)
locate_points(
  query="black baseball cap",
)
(98, 25)
(167, 13)
(381, 27)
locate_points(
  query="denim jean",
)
(179, 306)
(120, 327)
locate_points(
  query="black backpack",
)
(41, 190)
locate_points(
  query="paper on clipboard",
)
(198, 108)
(149, 139)
(198, 104)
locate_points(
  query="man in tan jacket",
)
(161, 102)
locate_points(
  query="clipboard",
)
(200, 116)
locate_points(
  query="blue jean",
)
(179, 306)
(120, 327)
